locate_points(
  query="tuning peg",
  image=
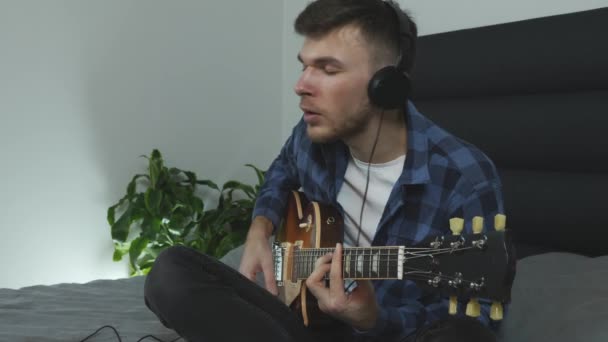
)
(500, 222)
(456, 225)
(496, 311)
(477, 224)
(473, 308)
(453, 307)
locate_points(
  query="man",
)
(395, 176)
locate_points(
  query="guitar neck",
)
(357, 262)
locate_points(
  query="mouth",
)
(311, 115)
(309, 110)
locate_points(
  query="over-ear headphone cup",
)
(389, 88)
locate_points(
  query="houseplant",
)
(161, 208)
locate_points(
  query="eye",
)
(329, 70)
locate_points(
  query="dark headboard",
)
(533, 95)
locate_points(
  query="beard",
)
(342, 127)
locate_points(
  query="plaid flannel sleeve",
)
(281, 178)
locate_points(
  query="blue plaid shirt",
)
(443, 177)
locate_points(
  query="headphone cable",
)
(369, 164)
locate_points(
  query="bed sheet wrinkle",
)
(70, 312)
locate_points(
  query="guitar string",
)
(417, 274)
(391, 258)
(308, 257)
(424, 252)
(326, 250)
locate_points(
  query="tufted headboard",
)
(533, 95)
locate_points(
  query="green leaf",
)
(110, 216)
(150, 227)
(156, 154)
(137, 246)
(120, 229)
(174, 171)
(152, 199)
(155, 166)
(260, 174)
(235, 185)
(208, 183)
(117, 256)
(132, 186)
(191, 177)
(229, 242)
(168, 212)
(112, 210)
(146, 259)
(197, 205)
(120, 249)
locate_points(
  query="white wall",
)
(88, 86)
(430, 17)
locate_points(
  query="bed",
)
(534, 95)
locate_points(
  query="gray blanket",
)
(70, 312)
(556, 297)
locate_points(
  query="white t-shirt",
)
(382, 178)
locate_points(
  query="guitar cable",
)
(120, 340)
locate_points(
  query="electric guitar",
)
(474, 266)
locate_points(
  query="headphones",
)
(390, 86)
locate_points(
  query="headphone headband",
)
(405, 33)
(390, 86)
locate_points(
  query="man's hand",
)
(359, 308)
(257, 256)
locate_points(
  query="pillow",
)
(558, 297)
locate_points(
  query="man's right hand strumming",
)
(257, 256)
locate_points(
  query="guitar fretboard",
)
(357, 262)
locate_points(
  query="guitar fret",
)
(374, 261)
(360, 263)
(309, 263)
(353, 264)
(363, 263)
(346, 266)
(369, 257)
(357, 263)
(394, 263)
(387, 263)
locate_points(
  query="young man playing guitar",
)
(363, 148)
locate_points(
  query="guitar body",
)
(304, 227)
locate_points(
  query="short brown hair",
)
(376, 20)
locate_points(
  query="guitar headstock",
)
(479, 265)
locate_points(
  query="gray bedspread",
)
(556, 297)
(70, 312)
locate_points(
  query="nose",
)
(303, 86)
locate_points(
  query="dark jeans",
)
(204, 300)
